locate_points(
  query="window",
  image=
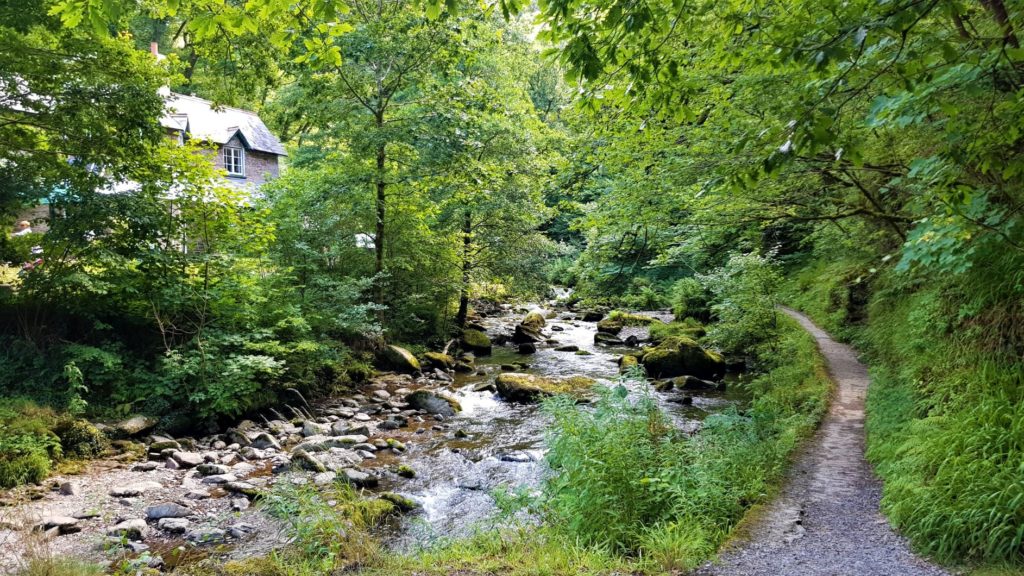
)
(234, 161)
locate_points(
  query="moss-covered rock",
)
(519, 387)
(401, 503)
(81, 439)
(400, 360)
(607, 339)
(627, 362)
(610, 326)
(629, 319)
(524, 334)
(438, 360)
(534, 320)
(476, 341)
(433, 402)
(680, 356)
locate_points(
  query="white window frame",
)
(241, 160)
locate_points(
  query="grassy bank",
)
(946, 403)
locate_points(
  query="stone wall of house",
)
(259, 166)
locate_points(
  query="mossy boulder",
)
(400, 360)
(81, 439)
(519, 387)
(680, 356)
(629, 319)
(476, 341)
(610, 326)
(433, 402)
(627, 362)
(401, 503)
(438, 360)
(534, 320)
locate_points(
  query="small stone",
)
(197, 495)
(87, 514)
(239, 504)
(264, 441)
(69, 489)
(242, 488)
(171, 464)
(366, 455)
(241, 530)
(219, 479)
(305, 461)
(405, 471)
(163, 445)
(402, 503)
(362, 417)
(358, 478)
(460, 433)
(173, 525)
(219, 445)
(211, 469)
(365, 446)
(395, 445)
(381, 394)
(135, 489)
(518, 457)
(134, 529)
(63, 524)
(167, 510)
(205, 536)
(188, 459)
(324, 478)
(311, 428)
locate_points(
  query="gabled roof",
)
(202, 121)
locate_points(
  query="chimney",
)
(154, 49)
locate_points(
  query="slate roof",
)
(202, 121)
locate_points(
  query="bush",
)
(626, 480)
(743, 302)
(27, 442)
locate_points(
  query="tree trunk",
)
(1002, 17)
(467, 229)
(378, 238)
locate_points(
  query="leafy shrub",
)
(688, 328)
(743, 302)
(27, 442)
(688, 297)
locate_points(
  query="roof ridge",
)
(212, 107)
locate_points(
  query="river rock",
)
(592, 316)
(525, 335)
(135, 425)
(219, 479)
(568, 348)
(60, 525)
(679, 356)
(205, 535)
(311, 428)
(324, 478)
(263, 441)
(626, 362)
(476, 341)
(344, 429)
(433, 402)
(534, 320)
(206, 469)
(173, 525)
(527, 348)
(401, 503)
(693, 383)
(519, 387)
(70, 489)
(188, 459)
(134, 529)
(132, 490)
(302, 460)
(161, 445)
(244, 488)
(358, 478)
(400, 360)
(438, 360)
(607, 339)
(167, 510)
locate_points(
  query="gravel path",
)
(827, 519)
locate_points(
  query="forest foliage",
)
(861, 159)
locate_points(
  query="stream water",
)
(497, 444)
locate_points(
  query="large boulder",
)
(400, 360)
(627, 362)
(680, 356)
(519, 387)
(534, 320)
(438, 360)
(610, 326)
(134, 425)
(526, 335)
(476, 341)
(433, 402)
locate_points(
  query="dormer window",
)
(234, 161)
